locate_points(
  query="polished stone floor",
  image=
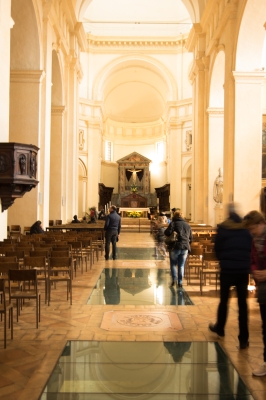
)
(169, 370)
(27, 363)
(137, 286)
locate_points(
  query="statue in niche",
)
(218, 187)
(22, 164)
(33, 165)
(134, 173)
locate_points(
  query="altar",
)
(125, 210)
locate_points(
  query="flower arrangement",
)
(134, 214)
(134, 188)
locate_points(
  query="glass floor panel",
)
(137, 287)
(116, 370)
(139, 253)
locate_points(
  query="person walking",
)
(178, 250)
(233, 250)
(160, 236)
(255, 223)
(112, 229)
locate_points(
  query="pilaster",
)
(57, 195)
(5, 26)
(248, 139)
(174, 128)
(94, 160)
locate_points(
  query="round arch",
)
(251, 37)
(25, 51)
(185, 168)
(125, 61)
(195, 8)
(82, 169)
(216, 87)
(57, 88)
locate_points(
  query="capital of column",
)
(215, 111)
(94, 123)
(58, 110)
(26, 76)
(174, 123)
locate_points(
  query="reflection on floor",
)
(135, 253)
(169, 370)
(137, 286)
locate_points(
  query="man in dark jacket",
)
(233, 250)
(112, 230)
(178, 251)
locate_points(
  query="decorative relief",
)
(4, 162)
(22, 164)
(140, 320)
(96, 42)
(189, 140)
(33, 165)
(81, 139)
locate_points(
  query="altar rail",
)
(135, 225)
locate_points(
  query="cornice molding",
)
(249, 77)
(108, 43)
(26, 76)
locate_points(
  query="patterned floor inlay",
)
(155, 371)
(142, 321)
(138, 286)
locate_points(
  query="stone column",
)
(215, 157)
(70, 189)
(198, 147)
(25, 116)
(175, 161)
(6, 24)
(57, 199)
(246, 176)
(94, 161)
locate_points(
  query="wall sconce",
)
(189, 186)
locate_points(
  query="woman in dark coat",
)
(36, 228)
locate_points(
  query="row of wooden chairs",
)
(204, 263)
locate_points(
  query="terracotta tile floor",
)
(28, 361)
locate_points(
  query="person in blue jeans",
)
(112, 230)
(178, 250)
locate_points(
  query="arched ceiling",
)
(135, 89)
(195, 8)
(135, 94)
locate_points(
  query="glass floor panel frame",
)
(109, 379)
(138, 253)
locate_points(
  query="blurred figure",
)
(36, 228)
(75, 220)
(160, 236)
(255, 223)
(233, 250)
(178, 251)
(101, 214)
(163, 218)
(112, 230)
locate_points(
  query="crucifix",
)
(134, 172)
